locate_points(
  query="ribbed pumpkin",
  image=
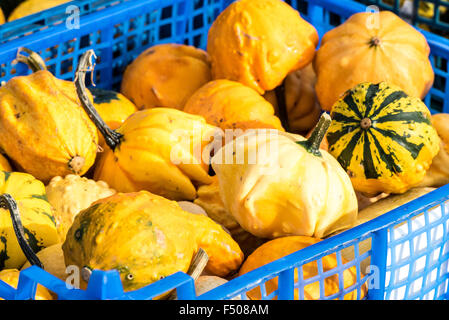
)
(36, 213)
(43, 128)
(278, 184)
(383, 138)
(232, 105)
(438, 173)
(70, 194)
(146, 237)
(29, 7)
(372, 47)
(166, 75)
(158, 149)
(278, 248)
(298, 108)
(259, 42)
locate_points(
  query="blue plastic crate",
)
(409, 245)
(51, 17)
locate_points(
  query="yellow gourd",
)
(159, 150)
(279, 184)
(71, 194)
(43, 128)
(36, 213)
(278, 248)
(146, 237)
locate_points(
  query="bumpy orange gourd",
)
(232, 105)
(259, 42)
(372, 47)
(146, 237)
(43, 128)
(162, 150)
(302, 109)
(155, 154)
(278, 248)
(166, 75)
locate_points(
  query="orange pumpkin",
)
(278, 248)
(259, 42)
(232, 105)
(372, 47)
(165, 75)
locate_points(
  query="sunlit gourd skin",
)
(259, 42)
(148, 237)
(150, 152)
(70, 194)
(371, 47)
(29, 7)
(278, 248)
(232, 105)
(35, 212)
(438, 173)
(383, 138)
(11, 277)
(166, 75)
(43, 128)
(284, 189)
(302, 107)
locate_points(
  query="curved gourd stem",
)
(7, 202)
(111, 137)
(197, 266)
(282, 106)
(34, 61)
(312, 144)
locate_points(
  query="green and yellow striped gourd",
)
(382, 137)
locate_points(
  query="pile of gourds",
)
(148, 181)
